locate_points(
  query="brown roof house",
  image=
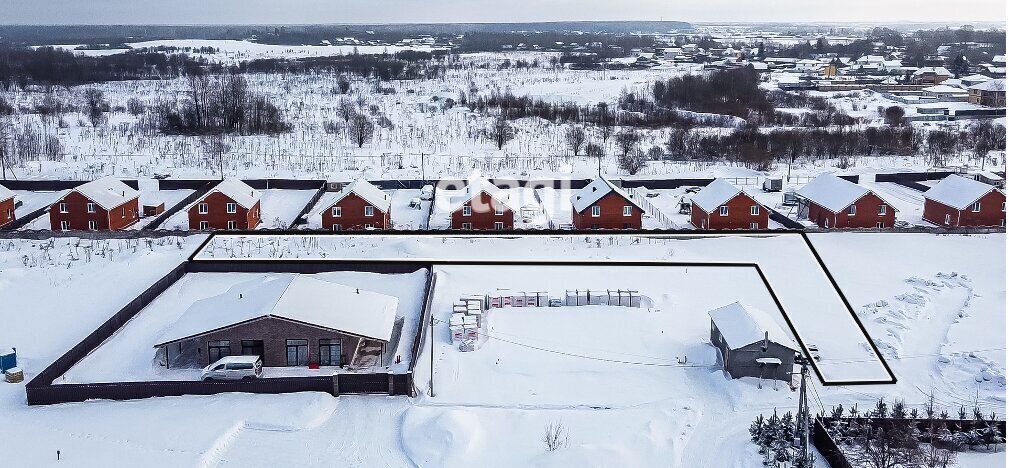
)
(288, 320)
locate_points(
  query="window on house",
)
(498, 226)
(91, 207)
(879, 225)
(467, 210)
(337, 212)
(369, 226)
(882, 209)
(232, 207)
(754, 210)
(369, 211)
(595, 226)
(204, 225)
(467, 225)
(64, 225)
(723, 210)
(337, 227)
(204, 208)
(947, 218)
(754, 226)
(297, 352)
(330, 352)
(499, 210)
(217, 349)
(628, 210)
(627, 225)
(124, 211)
(851, 210)
(93, 225)
(596, 211)
(64, 208)
(232, 225)
(976, 207)
(252, 348)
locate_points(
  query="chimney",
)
(766, 342)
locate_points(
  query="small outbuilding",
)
(751, 344)
(360, 205)
(722, 205)
(105, 204)
(961, 202)
(482, 206)
(833, 202)
(603, 205)
(288, 320)
(7, 205)
(231, 204)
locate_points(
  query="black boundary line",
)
(555, 233)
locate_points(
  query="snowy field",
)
(932, 336)
(130, 354)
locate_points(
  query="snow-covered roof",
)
(832, 192)
(370, 193)
(990, 85)
(238, 191)
(998, 59)
(944, 89)
(741, 325)
(596, 190)
(936, 70)
(715, 194)
(6, 193)
(958, 192)
(477, 185)
(107, 192)
(302, 298)
(977, 77)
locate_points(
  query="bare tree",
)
(135, 106)
(607, 121)
(95, 106)
(345, 109)
(6, 144)
(596, 152)
(360, 129)
(633, 161)
(575, 138)
(894, 116)
(627, 141)
(501, 132)
(555, 436)
(217, 149)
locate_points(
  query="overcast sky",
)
(448, 11)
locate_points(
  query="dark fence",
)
(186, 184)
(272, 266)
(285, 184)
(993, 113)
(43, 185)
(912, 185)
(24, 220)
(824, 444)
(913, 176)
(199, 193)
(660, 184)
(779, 218)
(302, 217)
(42, 234)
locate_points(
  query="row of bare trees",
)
(219, 104)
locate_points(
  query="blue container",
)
(8, 359)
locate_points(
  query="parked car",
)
(234, 368)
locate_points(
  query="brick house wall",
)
(274, 333)
(611, 214)
(740, 215)
(992, 212)
(6, 211)
(217, 215)
(867, 214)
(77, 215)
(987, 98)
(483, 215)
(352, 215)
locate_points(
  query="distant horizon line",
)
(447, 23)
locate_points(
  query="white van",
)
(234, 368)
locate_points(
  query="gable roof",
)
(238, 191)
(595, 191)
(958, 192)
(741, 325)
(107, 192)
(716, 194)
(368, 192)
(936, 70)
(944, 88)
(474, 187)
(976, 77)
(6, 193)
(834, 193)
(990, 85)
(301, 298)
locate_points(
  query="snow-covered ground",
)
(279, 208)
(31, 201)
(933, 325)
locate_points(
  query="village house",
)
(7, 205)
(482, 206)
(961, 202)
(832, 202)
(287, 320)
(990, 93)
(360, 205)
(231, 204)
(945, 92)
(974, 79)
(602, 205)
(930, 75)
(751, 344)
(721, 205)
(103, 204)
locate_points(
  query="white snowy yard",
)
(280, 208)
(928, 329)
(31, 201)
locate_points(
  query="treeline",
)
(404, 65)
(485, 41)
(218, 104)
(730, 92)
(22, 66)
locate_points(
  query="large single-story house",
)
(961, 202)
(603, 205)
(231, 204)
(751, 344)
(722, 205)
(360, 205)
(287, 319)
(945, 92)
(833, 202)
(103, 204)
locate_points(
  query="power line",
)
(912, 356)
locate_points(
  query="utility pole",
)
(432, 354)
(803, 411)
(423, 171)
